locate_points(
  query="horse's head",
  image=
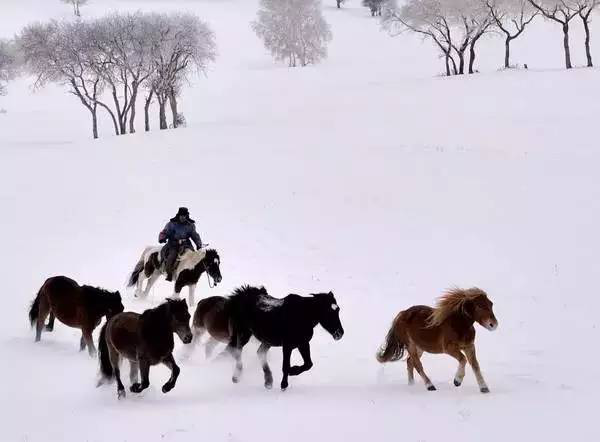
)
(480, 309)
(212, 263)
(113, 304)
(329, 314)
(180, 319)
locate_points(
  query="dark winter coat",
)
(176, 231)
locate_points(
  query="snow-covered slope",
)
(366, 175)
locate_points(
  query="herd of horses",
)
(147, 339)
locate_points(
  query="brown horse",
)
(74, 305)
(212, 315)
(144, 340)
(447, 328)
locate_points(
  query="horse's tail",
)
(34, 311)
(106, 367)
(393, 347)
(135, 275)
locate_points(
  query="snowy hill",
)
(367, 175)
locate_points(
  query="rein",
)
(208, 276)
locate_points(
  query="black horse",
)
(144, 340)
(286, 323)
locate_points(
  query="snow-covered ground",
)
(367, 175)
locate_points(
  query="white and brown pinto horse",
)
(190, 266)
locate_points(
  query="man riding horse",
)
(177, 234)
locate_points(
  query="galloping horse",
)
(286, 323)
(144, 340)
(447, 328)
(190, 266)
(74, 305)
(212, 316)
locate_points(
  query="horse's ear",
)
(331, 293)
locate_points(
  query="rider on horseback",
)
(177, 234)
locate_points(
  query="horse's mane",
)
(96, 297)
(88, 290)
(247, 290)
(211, 254)
(452, 301)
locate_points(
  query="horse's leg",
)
(43, 312)
(210, 346)
(462, 361)
(82, 343)
(89, 340)
(237, 371)
(115, 361)
(177, 290)
(287, 354)
(145, 375)
(139, 292)
(192, 290)
(410, 369)
(416, 361)
(151, 281)
(262, 356)
(169, 361)
(134, 371)
(50, 325)
(472, 358)
(304, 350)
(235, 348)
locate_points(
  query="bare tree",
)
(476, 20)
(123, 46)
(586, 7)
(293, 30)
(183, 45)
(7, 64)
(511, 18)
(375, 6)
(445, 22)
(562, 12)
(58, 52)
(76, 5)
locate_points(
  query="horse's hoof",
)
(484, 390)
(49, 329)
(268, 385)
(457, 383)
(235, 379)
(121, 394)
(166, 388)
(431, 388)
(135, 388)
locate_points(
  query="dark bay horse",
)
(447, 328)
(190, 267)
(76, 306)
(212, 316)
(144, 340)
(288, 323)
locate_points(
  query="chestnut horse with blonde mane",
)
(447, 328)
